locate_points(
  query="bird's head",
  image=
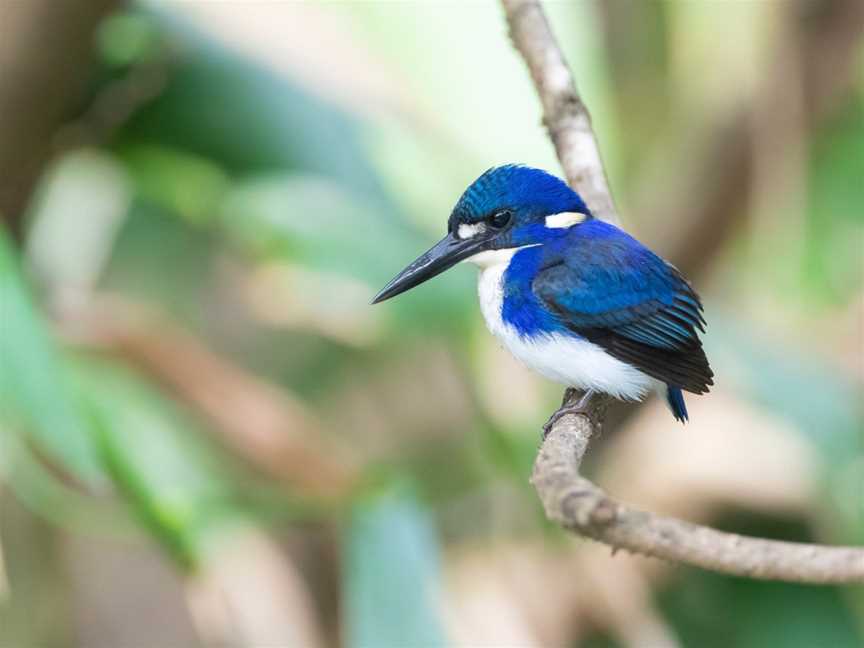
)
(506, 208)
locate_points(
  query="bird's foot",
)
(581, 406)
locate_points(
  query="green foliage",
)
(162, 470)
(822, 404)
(34, 394)
(236, 169)
(716, 612)
(391, 594)
(127, 38)
(219, 106)
(831, 268)
(187, 185)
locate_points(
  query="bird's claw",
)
(567, 407)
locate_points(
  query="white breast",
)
(564, 359)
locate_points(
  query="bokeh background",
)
(209, 438)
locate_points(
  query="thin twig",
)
(570, 499)
(564, 114)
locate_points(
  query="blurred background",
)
(209, 438)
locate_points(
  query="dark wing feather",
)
(618, 294)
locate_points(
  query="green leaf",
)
(187, 184)
(219, 105)
(714, 611)
(34, 395)
(821, 403)
(830, 271)
(316, 223)
(126, 38)
(156, 461)
(391, 590)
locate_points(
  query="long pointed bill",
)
(445, 254)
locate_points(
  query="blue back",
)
(596, 282)
(594, 275)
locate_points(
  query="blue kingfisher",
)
(574, 298)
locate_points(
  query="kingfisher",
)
(574, 298)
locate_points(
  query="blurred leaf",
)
(836, 165)
(220, 106)
(162, 258)
(713, 611)
(36, 486)
(165, 475)
(187, 184)
(820, 402)
(391, 589)
(33, 392)
(831, 268)
(314, 222)
(127, 37)
(306, 190)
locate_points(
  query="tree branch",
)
(564, 115)
(45, 53)
(579, 505)
(568, 498)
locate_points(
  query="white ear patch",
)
(564, 220)
(490, 258)
(467, 230)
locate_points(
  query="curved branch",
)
(570, 499)
(579, 505)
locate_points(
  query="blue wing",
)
(606, 286)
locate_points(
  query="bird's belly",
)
(561, 357)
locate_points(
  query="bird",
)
(573, 297)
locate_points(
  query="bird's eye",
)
(500, 218)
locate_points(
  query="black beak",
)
(445, 254)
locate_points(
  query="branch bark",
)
(568, 498)
(45, 52)
(564, 115)
(579, 505)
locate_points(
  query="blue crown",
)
(533, 192)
